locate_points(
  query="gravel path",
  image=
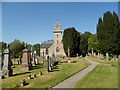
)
(70, 82)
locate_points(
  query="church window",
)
(57, 35)
(57, 41)
(57, 49)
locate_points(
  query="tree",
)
(108, 33)
(16, 48)
(2, 46)
(93, 43)
(84, 43)
(71, 39)
(36, 47)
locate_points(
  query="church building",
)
(53, 47)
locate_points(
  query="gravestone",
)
(7, 70)
(119, 56)
(94, 54)
(50, 66)
(33, 59)
(34, 75)
(40, 73)
(20, 59)
(36, 61)
(47, 63)
(98, 54)
(23, 82)
(107, 57)
(29, 77)
(77, 55)
(26, 63)
(0, 65)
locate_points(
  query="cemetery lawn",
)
(102, 76)
(47, 80)
(96, 59)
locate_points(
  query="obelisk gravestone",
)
(25, 66)
(7, 70)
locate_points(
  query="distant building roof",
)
(47, 44)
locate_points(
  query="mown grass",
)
(96, 59)
(100, 77)
(47, 80)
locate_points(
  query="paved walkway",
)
(70, 82)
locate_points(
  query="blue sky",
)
(33, 22)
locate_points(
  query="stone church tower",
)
(56, 47)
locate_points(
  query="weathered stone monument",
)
(107, 56)
(68, 53)
(0, 64)
(26, 63)
(7, 70)
(47, 63)
(98, 54)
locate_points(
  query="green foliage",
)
(2, 46)
(84, 43)
(109, 33)
(36, 47)
(71, 39)
(16, 48)
(93, 43)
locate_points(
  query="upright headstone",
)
(20, 59)
(47, 63)
(119, 56)
(98, 54)
(33, 57)
(77, 55)
(0, 61)
(36, 60)
(68, 53)
(25, 60)
(94, 54)
(107, 56)
(7, 70)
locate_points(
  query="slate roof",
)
(47, 44)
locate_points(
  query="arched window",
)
(57, 49)
(57, 35)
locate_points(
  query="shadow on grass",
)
(55, 68)
(21, 73)
(37, 66)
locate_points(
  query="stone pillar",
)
(0, 65)
(92, 52)
(0, 61)
(107, 56)
(77, 55)
(25, 66)
(98, 54)
(47, 63)
(68, 53)
(7, 71)
(33, 59)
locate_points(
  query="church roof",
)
(47, 44)
(57, 26)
